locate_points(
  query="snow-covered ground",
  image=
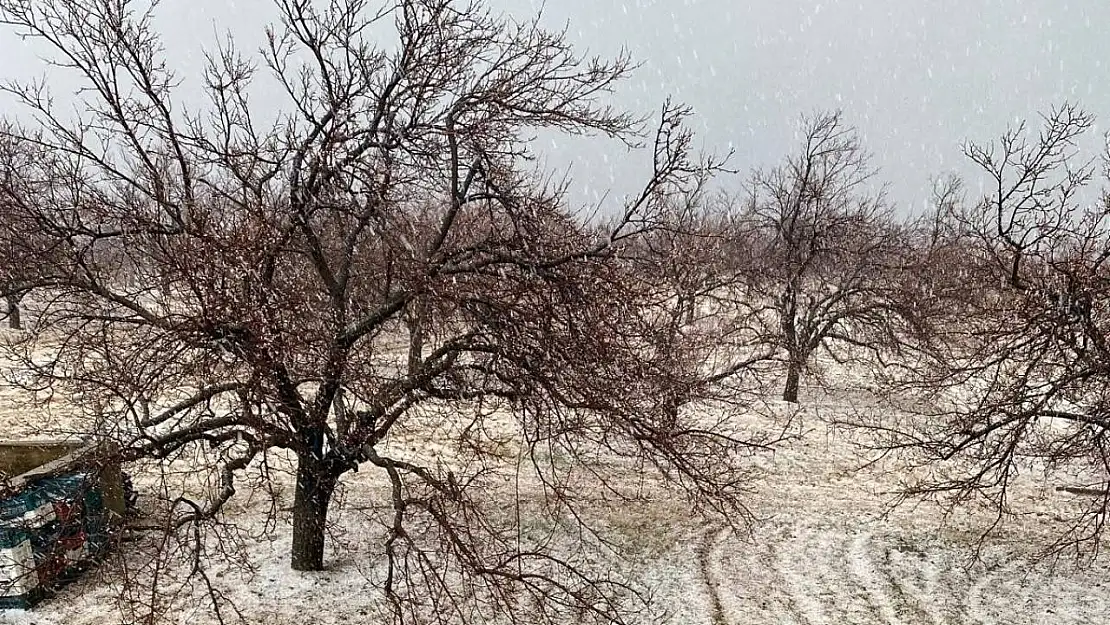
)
(825, 549)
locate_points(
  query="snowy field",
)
(825, 549)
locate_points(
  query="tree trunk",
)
(690, 310)
(787, 310)
(793, 377)
(13, 313)
(414, 319)
(315, 485)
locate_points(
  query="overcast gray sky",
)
(916, 76)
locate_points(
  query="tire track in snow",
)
(877, 583)
(807, 561)
(824, 555)
(710, 538)
(914, 579)
(806, 575)
(748, 584)
(973, 605)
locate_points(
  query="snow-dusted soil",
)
(825, 549)
(831, 550)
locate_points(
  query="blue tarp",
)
(49, 532)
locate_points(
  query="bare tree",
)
(320, 283)
(1016, 377)
(701, 313)
(25, 255)
(10, 258)
(825, 248)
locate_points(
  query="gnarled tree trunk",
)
(14, 321)
(793, 379)
(315, 485)
(795, 358)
